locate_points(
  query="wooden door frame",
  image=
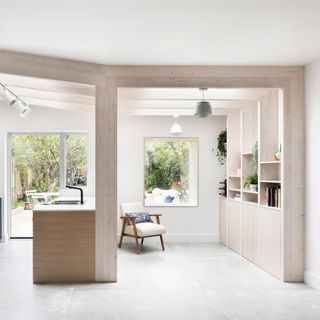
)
(108, 78)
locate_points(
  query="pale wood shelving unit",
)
(251, 227)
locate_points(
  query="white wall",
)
(183, 224)
(45, 120)
(312, 260)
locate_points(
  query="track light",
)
(13, 100)
(9, 97)
(203, 108)
(21, 107)
(176, 129)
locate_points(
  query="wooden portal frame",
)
(108, 78)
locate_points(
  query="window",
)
(76, 159)
(171, 172)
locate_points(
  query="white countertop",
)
(89, 205)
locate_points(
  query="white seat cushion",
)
(146, 229)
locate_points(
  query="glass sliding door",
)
(40, 165)
(34, 177)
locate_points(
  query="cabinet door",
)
(270, 241)
(250, 232)
(223, 222)
(234, 226)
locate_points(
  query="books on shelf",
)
(273, 196)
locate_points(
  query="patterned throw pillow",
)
(141, 217)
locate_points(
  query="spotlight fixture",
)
(176, 129)
(13, 100)
(203, 109)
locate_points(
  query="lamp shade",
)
(203, 109)
(176, 129)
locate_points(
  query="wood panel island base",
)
(63, 245)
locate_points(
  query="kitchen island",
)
(64, 242)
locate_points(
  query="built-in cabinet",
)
(270, 240)
(252, 221)
(234, 226)
(223, 221)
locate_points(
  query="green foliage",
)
(18, 204)
(166, 164)
(221, 149)
(37, 159)
(77, 147)
(252, 179)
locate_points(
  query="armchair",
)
(139, 230)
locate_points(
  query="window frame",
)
(170, 138)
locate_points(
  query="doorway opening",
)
(53, 146)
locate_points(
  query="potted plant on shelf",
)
(222, 147)
(251, 182)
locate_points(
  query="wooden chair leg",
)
(142, 241)
(122, 232)
(137, 245)
(136, 238)
(162, 243)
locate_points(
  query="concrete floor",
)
(21, 223)
(187, 281)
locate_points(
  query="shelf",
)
(270, 162)
(235, 199)
(234, 189)
(247, 153)
(249, 191)
(234, 176)
(250, 203)
(269, 207)
(270, 181)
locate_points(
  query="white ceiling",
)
(183, 101)
(165, 32)
(51, 93)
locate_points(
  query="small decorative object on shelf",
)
(277, 154)
(221, 148)
(223, 188)
(252, 182)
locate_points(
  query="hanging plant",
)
(221, 148)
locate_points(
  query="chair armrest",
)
(155, 214)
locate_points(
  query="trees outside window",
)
(170, 172)
(76, 159)
(47, 162)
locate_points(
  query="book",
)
(273, 196)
